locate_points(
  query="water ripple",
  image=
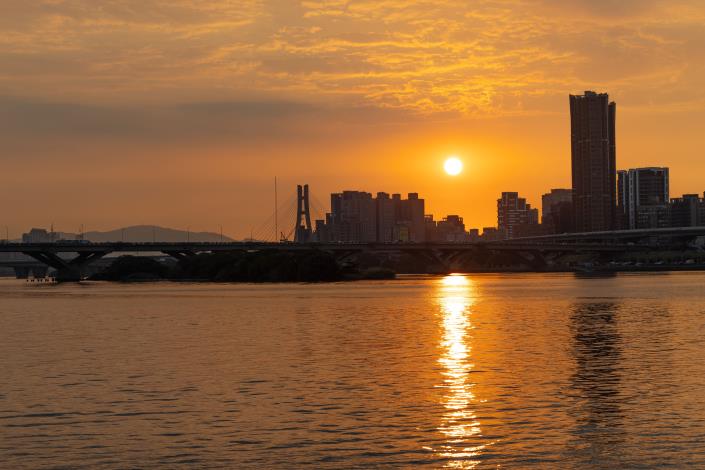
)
(517, 371)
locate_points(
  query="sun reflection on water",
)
(460, 424)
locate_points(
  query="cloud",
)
(41, 131)
(480, 58)
(241, 120)
(614, 8)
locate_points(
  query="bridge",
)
(682, 234)
(536, 252)
(70, 258)
(31, 267)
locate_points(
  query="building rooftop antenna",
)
(276, 215)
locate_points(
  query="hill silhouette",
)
(148, 233)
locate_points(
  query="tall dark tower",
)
(593, 154)
(302, 229)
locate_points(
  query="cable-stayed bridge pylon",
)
(297, 207)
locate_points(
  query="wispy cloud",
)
(486, 57)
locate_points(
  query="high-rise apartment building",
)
(451, 229)
(557, 211)
(353, 217)
(687, 211)
(357, 217)
(412, 212)
(39, 235)
(513, 212)
(491, 234)
(593, 158)
(385, 218)
(642, 198)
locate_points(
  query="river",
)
(461, 371)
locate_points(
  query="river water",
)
(477, 371)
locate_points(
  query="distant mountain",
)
(148, 233)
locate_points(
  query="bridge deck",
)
(603, 241)
(166, 247)
(532, 251)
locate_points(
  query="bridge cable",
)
(265, 231)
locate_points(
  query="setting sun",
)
(453, 166)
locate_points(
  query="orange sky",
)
(181, 112)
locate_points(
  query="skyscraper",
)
(593, 157)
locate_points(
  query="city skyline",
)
(641, 201)
(152, 118)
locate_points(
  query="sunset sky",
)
(181, 112)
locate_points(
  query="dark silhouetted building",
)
(557, 211)
(529, 230)
(353, 217)
(321, 230)
(593, 157)
(431, 226)
(451, 229)
(492, 234)
(386, 218)
(357, 217)
(513, 212)
(413, 216)
(38, 235)
(642, 198)
(687, 211)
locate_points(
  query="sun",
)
(453, 166)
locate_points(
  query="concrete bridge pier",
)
(533, 259)
(69, 274)
(67, 270)
(343, 256)
(431, 258)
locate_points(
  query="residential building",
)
(451, 229)
(512, 212)
(642, 195)
(412, 214)
(557, 211)
(491, 234)
(593, 158)
(353, 217)
(386, 219)
(687, 211)
(38, 235)
(357, 217)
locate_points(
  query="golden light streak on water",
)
(459, 422)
